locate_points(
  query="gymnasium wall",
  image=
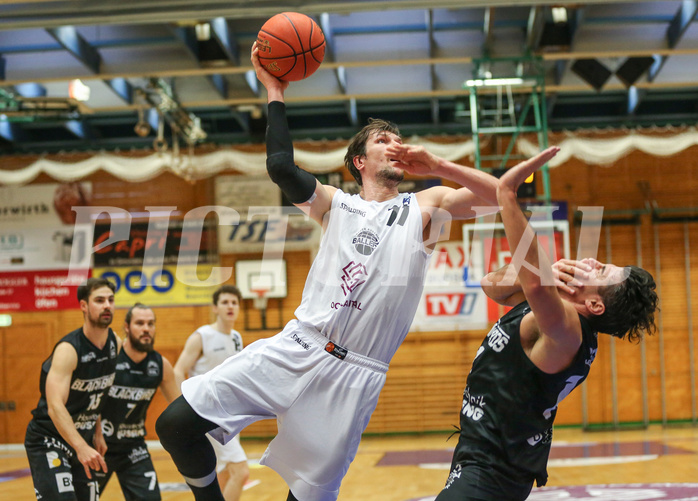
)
(425, 383)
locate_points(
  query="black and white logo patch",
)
(365, 241)
(153, 370)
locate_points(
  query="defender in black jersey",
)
(74, 380)
(140, 371)
(535, 355)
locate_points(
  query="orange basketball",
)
(291, 46)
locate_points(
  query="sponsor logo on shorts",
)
(301, 342)
(138, 454)
(453, 476)
(65, 482)
(546, 437)
(53, 460)
(51, 442)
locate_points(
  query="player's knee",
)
(167, 426)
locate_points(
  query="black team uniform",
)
(506, 420)
(56, 471)
(123, 423)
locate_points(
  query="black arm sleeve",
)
(298, 185)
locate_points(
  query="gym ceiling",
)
(185, 64)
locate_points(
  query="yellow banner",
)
(163, 286)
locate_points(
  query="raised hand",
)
(514, 177)
(413, 159)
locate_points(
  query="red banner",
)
(45, 290)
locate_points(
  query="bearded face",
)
(141, 329)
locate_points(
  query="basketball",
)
(291, 46)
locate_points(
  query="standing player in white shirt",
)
(206, 348)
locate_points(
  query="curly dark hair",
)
(357, 146)
(630, 306)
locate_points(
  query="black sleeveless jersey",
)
(509, 404)
(123, 415)
(91, 378)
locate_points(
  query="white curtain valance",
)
(607, 151)
(592, 151)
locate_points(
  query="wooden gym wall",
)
(425, 383)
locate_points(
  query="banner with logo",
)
(164, 286)
(39, 290)
(154, 242)
(45, 248)
(39, 205)
(447, 302)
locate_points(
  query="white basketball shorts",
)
(230, 452)
(322, 404)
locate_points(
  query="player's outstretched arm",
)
(479, 188)
(556, 321)
(64, 361)
(300, 187)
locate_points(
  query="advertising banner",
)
(38, 290)
(447, 302)
(163, 286)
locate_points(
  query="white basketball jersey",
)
(366, 282)
(215, 347)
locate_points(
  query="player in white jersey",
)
(321, 376)
(207, 348)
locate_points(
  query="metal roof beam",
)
(82, 129)
(676, 30)
(220, 28)
(340, 72)
(187, 37)
(12, 132)
(435, 115)
(488, 30)
(121, 88)
(71, 41)
(534, 28)
(30, 89)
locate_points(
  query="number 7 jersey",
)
(126, 403)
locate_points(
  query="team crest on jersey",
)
(354, 274)
(153, 369)
(365, 241)
(112, 350)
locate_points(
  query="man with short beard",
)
(62, 440)
(140, 371)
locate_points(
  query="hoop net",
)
(260, 301)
